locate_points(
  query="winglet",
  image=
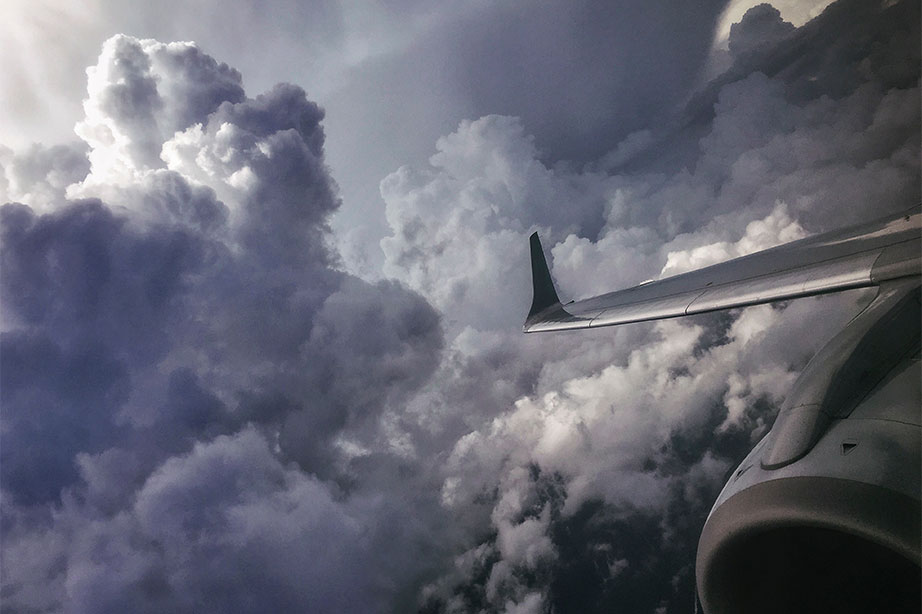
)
(544, 295)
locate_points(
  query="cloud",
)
(457, 225)
(204, 410)
(142, 92)
(55, 404)
(760, 25)
(636, 432)
(370, 347)
(225, 527)
(580, 75)
(40, 175)
(776, 229)
(181, 361)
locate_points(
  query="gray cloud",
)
(223, 528)
(40, 175)
(761, 26)
(581, 75)
(704, 390)
(178, 354)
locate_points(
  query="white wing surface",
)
(857, 257)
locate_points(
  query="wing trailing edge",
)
(857, 257)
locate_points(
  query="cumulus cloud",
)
(644, 430)
(761, 25)
(179, 357)
(225, 527)
(457, 224)
(774, 230)
(40, 175)
(142, 92)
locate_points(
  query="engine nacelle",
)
(824, 514)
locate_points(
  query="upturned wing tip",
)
(544, 294)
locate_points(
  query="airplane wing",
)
(857, 257)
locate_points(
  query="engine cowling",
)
(824, 513)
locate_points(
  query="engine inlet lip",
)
(875, 514)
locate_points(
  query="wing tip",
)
(544, 295)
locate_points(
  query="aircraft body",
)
(823, 515)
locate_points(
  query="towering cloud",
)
(180, 360)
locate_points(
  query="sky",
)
(265, 266)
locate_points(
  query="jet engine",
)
(824, 514)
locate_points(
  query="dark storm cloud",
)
(584, 75)
(224, 528)
(175, 338)
(369, 346)
(85, 276)
(581, 75)
(55, 404)
(761, 26)
(94, 300)
(868, 49)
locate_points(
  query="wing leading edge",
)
(857, 257)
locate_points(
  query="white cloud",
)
(142, 92)
(775, 229)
